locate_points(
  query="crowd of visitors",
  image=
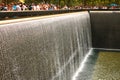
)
(22, 6)
(97, 7)
(45, 6)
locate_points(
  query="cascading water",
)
(44, 49)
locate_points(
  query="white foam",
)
(82, 65)
(107, 49)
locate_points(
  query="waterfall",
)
(50, 48)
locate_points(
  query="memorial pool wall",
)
(53, 47)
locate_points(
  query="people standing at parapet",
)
(45, 6)
(18, 7)
(14, 7)
(24, 7)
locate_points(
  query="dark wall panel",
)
(105, 29)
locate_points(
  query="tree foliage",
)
(71, 3)
(77, 2)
